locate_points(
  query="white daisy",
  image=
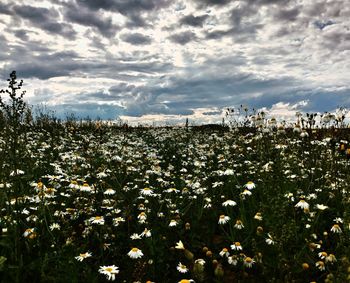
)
(250, 185)
(236, 246)
(229, 203)
(223, 219)
(110, 271)
(182, 268)
(302, 204)
(135, 253)
(83, 256)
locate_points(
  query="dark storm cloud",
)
(204, 3)
(43, 18)
(5, 9)
(124, 7)
(122, 88)
(133, 9)
(287, 15)
(194, 21)
(205, 91)
(136, 38)
(241, 30)
(56, 64)
(89, 18)
(22, 34)
(217, 34)
(183, 37)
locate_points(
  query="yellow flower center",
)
(237, 244)
(248, 259)
(109, 269)
(134, 250)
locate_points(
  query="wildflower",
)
(258, 216)
(83, 256)
(200, 261)
(248, 262)
(250, 185)
(331, 258)
(29, 233)
(302, 204)
(233, 260)
(305, 266)
(180, 245)
(54, 226)
(223, 219)
(74, 185)
(17, 172)
(313, 246)
(322, 255)
(97, 220)
(182, 268)
(106, 246)
(146, 192)
(172, 223)
(135, 253)
(237, 246)
(246, 193)
(224, 252)
(336, 229)
(146, 233)
(109, 192)
(85, 188)
(186, 281)
(320, 265)
(229, 203)
(321, 206)
(269, 240)
(142, 217)
(117, 220)
(135, 236)
(109, 271)
(239, 225)
(101, 175)
(338, 220)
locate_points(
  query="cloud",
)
(204, 3)
(136, 38)
(45, 19)
(5, 9)
(132, 9)
(95, 19)
(172, 58)
(194, 21)
(183, 37)
(322, 24)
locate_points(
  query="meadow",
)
(87, 201)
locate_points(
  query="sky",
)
(168, 60)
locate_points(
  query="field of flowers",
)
(93, 202)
